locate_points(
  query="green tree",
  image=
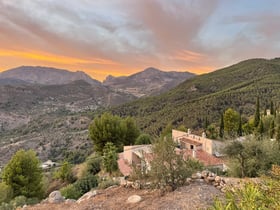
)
(24, 175)
(272, 111)
(211, 131)
(221, 130)
(260, 129)
(169, 168)
(167, 131)
(277, 137)
(131, 131)
(6, 193)
(143, 139)
(271, 129)
(239, 131)
(257, 114)
(231, 119)
(65, 173)
(110, 158)
(111, 128)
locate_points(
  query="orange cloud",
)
(189, 56)
(42, 56)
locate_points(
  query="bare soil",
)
(194, 196)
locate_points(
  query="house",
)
(201, 148)
(190, 145)
(49, 164)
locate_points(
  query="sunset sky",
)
(121, 37)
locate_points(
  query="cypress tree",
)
(271, 108)
(260, 128)
(271, 129)
(222, 127)
(239, 131)
(257, 114)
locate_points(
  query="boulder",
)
(204, 174)
(87, 196)
(134, 199)
(218, 179)
(70, 201)
(55, 197)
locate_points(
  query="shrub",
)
(86, 183)
(65, 173)
(94, 165)
(143, 139)
(71, 192)
(107, 183)
(6, 193)
(19, 201)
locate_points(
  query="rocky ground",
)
(197, 195)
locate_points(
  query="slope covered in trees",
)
(208, 95)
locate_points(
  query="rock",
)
(111, 187)
(70, 201)
(204, 174)
(55, 197)
(218, 179)
(134, 199)
(219, 187)
(136, 185)
(211, 178)
(87, 196)
(198, 175)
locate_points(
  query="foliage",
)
(70, 192)
(112, 128)
(143, 139)
(231, 119)
(65, 173)
(24, 175)
(251, 196)
(251, 158)
(211, 131)
(169, 168)
(222, 127)
(94, 164)
(206, 95)
(6, 192)
(107, 183)
(271, 129)
(110, 158)
(86, 183)
(257, 115)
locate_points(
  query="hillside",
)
(236, 86)
(149, 82)
(46, 75)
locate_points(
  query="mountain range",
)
(208, 96)
(49, 110)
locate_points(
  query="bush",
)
(94, 165)
(86, 183)
(19, 201)
(6, 193)
(24, 175)
(65, 173)
(71, 192)
(143, 139)
(107, 183)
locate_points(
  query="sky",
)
(122, 37)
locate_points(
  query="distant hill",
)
(46, 75)
(208, 95)
(151, 81)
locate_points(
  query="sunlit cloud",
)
(189, 56)
(41, 56)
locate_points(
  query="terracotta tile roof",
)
(204, 157)
(124, 167)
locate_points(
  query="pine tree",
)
(222, 127)
(257, 114)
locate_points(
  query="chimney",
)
(203, 135)
(189, 131)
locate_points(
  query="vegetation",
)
(251, 157)
(263, 195)
(143, 139)
(236, 86)
(24, 175)
(110, 158)
(169, 168)
(64, 173)
(111, 128)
